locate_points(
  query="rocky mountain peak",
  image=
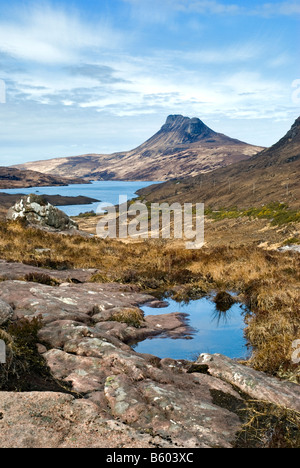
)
(183, 146)
(177, 119)
(188, 129)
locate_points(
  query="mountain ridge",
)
(271, 176)
(182, 146)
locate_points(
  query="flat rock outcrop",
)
(55, 420)
(255, 384)
(126, 399)
(18, 271)
(36, 211)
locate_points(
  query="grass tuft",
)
(41, 278)
(131, 316)
(268, 426)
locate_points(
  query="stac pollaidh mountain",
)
(182, 147)
(273, 175)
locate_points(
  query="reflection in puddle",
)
(216, 331)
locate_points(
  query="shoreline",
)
(8, 200)
(56, 200)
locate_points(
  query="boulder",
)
(36, 211)
(257, 385)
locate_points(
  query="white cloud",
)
(76, 70)
(278, 8)
(209, 6)
(222, 55)
(174, 87)
(280, 61)
(46, 35)
(159, 10)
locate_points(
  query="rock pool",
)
(214, 331)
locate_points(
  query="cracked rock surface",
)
(125, 399)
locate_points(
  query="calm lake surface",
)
(216, 332)
(105, 191)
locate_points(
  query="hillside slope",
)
(270, 176)
(182, 147)
(11, 177)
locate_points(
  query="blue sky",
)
(101, 76)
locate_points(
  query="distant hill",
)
(182, 147)
(11, 177)
(273, 175)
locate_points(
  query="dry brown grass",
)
(130, 315)
(268, 426)
(268, 281)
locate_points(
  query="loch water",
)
(104, 191)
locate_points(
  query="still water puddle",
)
(215, 331)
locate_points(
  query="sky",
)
(101, 76)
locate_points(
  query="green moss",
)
(229, 402)
(39, 199)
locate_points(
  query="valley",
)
(149, 227)
(84, 306)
